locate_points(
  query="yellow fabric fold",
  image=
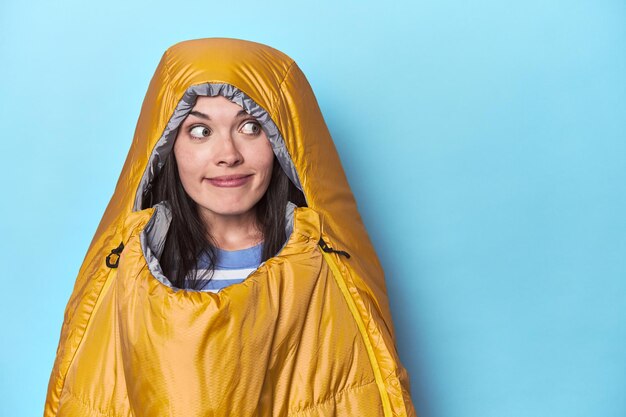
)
(309, 333)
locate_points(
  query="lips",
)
(229, 180)
(230, 177)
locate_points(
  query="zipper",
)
(326, 252)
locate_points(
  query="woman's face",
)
(224, 158)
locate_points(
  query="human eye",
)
(199, 131)
(252, 127)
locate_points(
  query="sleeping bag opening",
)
(160, 179)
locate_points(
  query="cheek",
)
(188, 163)
(265, 160)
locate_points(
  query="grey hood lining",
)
(166, 142)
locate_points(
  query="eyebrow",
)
(206, 116)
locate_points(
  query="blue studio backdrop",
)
(485, 143)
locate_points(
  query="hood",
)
(269, 85)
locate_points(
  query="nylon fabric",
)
(309, 333)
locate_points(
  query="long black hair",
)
(188, 236)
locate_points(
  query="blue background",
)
(485, 143)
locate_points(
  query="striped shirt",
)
(232, 267)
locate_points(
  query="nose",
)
(227, 152)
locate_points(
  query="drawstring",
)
(117, 252)
(327, 248)
(120, 248)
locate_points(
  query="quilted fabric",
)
(309, 333)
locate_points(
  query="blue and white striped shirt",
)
(232, 267)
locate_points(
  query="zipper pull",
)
(117, 252)
(327, 248)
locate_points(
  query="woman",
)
(307, 332)
(217, 216)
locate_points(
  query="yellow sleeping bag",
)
(309, 333)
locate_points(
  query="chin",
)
(233, 210)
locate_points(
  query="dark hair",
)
(188, 237)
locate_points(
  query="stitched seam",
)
(61, 374)
(392, 373)
(332, 397)
(340, 280)
(167, 67)
(280, 87)
(88, 406)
